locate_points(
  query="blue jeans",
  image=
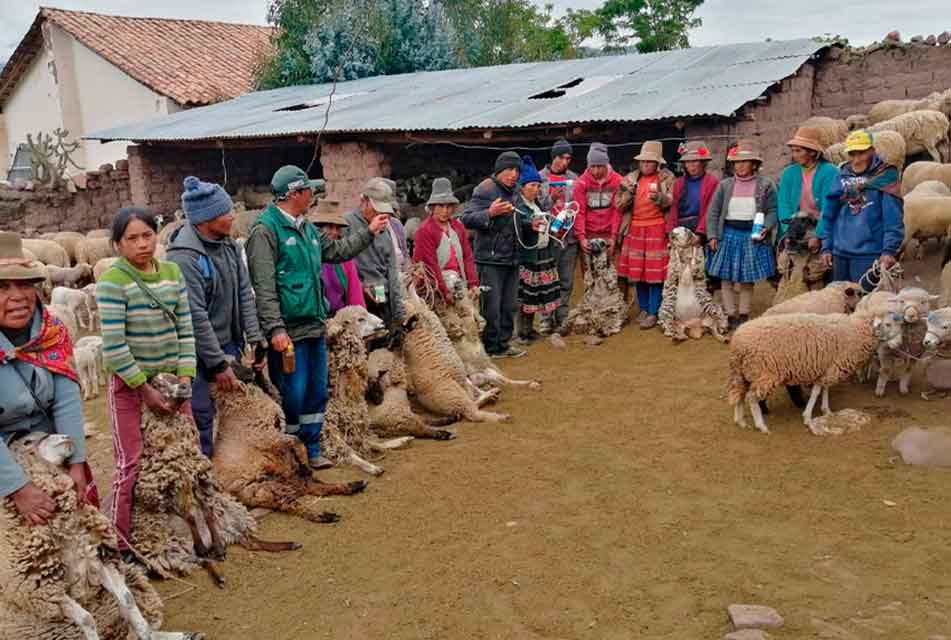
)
(649, 296)
(304, 391)
(203, 407)
(852, 268)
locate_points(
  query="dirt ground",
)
(619, 502)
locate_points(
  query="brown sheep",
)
(92, 250)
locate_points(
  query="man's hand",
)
(33, 504)
(827, 259)
(77, 472)
(378, 223)
(611, 244)
(500, 207)
(154, 400)
(887, 261)
(585, 245)
(814, 245)
(713, 244)
(280, 341)
(226, 380)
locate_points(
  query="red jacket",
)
(602, 221)
(707, 188)
(425, 246)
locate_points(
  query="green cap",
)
(290, 178)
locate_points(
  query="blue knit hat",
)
(528, 172)
(204, 201)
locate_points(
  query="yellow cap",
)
(858, 141)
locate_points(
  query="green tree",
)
(652, 25)
(289, 64)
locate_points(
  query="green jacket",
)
(284, 261)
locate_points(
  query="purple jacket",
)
(337, 298)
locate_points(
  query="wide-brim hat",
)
(442, 193)
(695, 150)
(328, 212)
(745, 149)
(14, 265)
(807, 138)
(652, 151)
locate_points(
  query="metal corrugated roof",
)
(705, 81)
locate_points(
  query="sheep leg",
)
(317, 488)
(82, 618)
(739, 415)
(485, 397)
(810, 406)
(365, 466)
(200, 549)
(113, 582)
(495, 376)
(932, 150)
(826, 409)
(757, 413)
(473, 414)
(904, 382)
(393, 443)
(254, 543)
(218, 547)
(309, 510)
(881, 383)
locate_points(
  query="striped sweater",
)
(138, 340)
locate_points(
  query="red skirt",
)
(644, 254)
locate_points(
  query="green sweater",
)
(138, 340)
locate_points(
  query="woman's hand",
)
(280, 341)
(814, 245)
(33, 504)
(585, 246)
(827, 259)
(77, 472)
(154, 400)
(713, 244)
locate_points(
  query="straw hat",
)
(442, 193)
(696, 150)
(13, 264)
(328, 212)
(807, 138)
(745, 149)
(652, 151)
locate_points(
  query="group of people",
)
(194, 313)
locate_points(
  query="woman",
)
(539, 289)
(441, 243)
(146, 330)
(342, 286)
(39, 391)
(805, 184)
(739, 257)
(692, 192)
(644, 199)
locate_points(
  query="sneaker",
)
(649, 322)
(319, 463)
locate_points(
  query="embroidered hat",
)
(745, 149)
(14, 265)
(695, 150)
(860, 140)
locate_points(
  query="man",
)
(379, 264)
(595, 192)
(862, 214)
(219, 295)
(285, 252)
(556, 177)
(490, 213)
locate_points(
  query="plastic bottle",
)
(289, 359)
(759, 224)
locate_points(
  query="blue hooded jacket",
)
(869, 224)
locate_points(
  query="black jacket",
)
(496, 242)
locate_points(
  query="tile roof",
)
(193, 62)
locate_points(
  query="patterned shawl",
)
(52, 349)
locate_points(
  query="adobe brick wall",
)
(347, 166)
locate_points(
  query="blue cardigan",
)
(790, 192)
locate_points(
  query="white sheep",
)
(801, 349)
(99, 233)
(64, 580)
(831, 130)
(77, 301)
(65, 315)
(889, 145)
(68, 240)
(102, 266)
(918, 172)
(92, 305)
(92, 250)
(70, 277)
(857, 121)
(87, 367)
(47, 251)
(927, 214)
(836, 297)
(922, 131)
(94, 343)
(888, 109)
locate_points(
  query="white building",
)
(83, 72)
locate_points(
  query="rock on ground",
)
(747, 634)
(754, 616)
(924, 447)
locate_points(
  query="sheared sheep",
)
(602, 310)
(918, 172)
(922, 131)
(927, 214)
(102, 266)
(99, 233)
(801, 349)
(68, 240)
(94, 343)
(47, 251)
(63, 580)
(70, 277)
(888, 109)
(259, 464)
(182, 518)
(857, 121)
(889, 145)
(687, 308)
(836, 297)
(65, 315)
(392, 415)
(92, 250)
(831, 130)
(77, 301)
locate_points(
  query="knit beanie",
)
(204, 201)
(598, 154)
(528, 172)
(560, 148)
(507, 160)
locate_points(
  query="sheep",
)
(64, 580)
(924, 447)
(70, 277)
(857, 121)
(801, 349)
(927, 214)
(99, 233)
(47, 251)
(87, 367)
(95, 344)
(346, 437)
(243, 222)
(888, 109)
(392, 415)
(181, 517)
(688, 308)
(889, 145)
(602, 310)
(102, 266)
(945, 299)
(92, 250)
(259, 464)
(918, 172)
(68, 240)
(831, 130)
(922, 131)
(77, 301)
(939, 328)
(837, 297)
(92, 306)
(65, 315)
(165, 233)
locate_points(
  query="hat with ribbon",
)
(694, 150)
(807, 138)
(745, 149)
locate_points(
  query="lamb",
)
(87, 367)
(392, 414)
(95, 344)
(64, 580)
(927, 214)
(70, 277)
(92, 305)
(888, 109)
(65, 315)
(889, 145)
(102, 266)
(602, 310)
(47, 251)
(259, 464)
(857, 121)
(181, 518)
(687, 307)
(922, 131)
(831, 130)
(801, 349)
(836, 297)
(918, 172)
(77, 301)
(92, 250)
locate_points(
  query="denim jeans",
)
(304, 391)
(852, 268)
(203, 407)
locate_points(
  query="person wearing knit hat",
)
(220, 297)
(558, 182)
(490, 212)
(598, 155)
(538, 291)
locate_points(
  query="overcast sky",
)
(724, 21)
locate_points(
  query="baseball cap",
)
(378, 192)
(858, 141)
(290, 178)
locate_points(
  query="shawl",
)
(52, 349)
